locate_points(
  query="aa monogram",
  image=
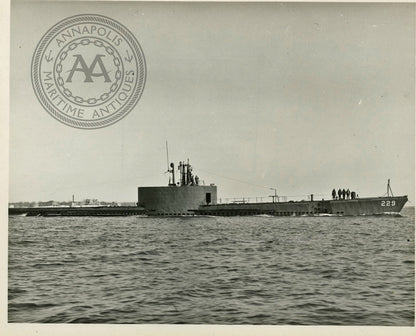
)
(88, 71)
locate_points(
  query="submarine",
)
(187, 195)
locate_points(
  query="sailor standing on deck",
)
(343, 193)
(339, 193)
(334, 194)
(348, 193)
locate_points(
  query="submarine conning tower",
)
(178, 198)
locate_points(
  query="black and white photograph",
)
(210, 166)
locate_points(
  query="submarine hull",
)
(187, 202)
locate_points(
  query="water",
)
(219, 270)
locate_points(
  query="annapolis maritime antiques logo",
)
(88, 71)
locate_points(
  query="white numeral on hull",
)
(388, 203)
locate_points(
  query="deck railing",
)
(264, 199)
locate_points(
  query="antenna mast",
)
(171, 167)
(167, 155)
(275, 196)
(389, 191)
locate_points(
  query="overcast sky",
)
(299, 97)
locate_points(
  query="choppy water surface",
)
(218, 270)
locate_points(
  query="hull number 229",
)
(388, 203)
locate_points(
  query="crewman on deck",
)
(348, 193)
(334, 194)
(339, 193)
(343, 193)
